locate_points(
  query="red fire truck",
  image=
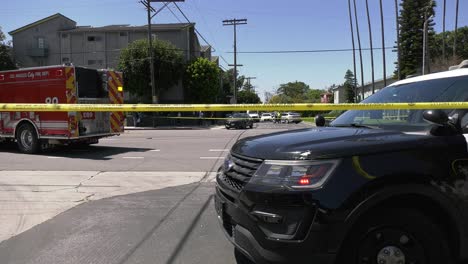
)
(65, 84)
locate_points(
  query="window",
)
(65, 59)
(123, 34)
(90, 83)
(451, 89)
(94, 38)
(40, 43)
(64, 35)
(99, 62)
(91, 62)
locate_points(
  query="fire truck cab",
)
(67, 84)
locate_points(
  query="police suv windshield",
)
(453, 89)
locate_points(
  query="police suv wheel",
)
(396, 236)
(26, 139)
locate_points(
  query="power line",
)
(196, 30)
(224, 59)
(301, 51)
(172, 12)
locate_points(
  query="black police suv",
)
(239, 120)
(380, 186)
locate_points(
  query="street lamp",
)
(425, 43)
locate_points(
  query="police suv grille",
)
(243, 169)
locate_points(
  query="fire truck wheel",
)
(27, 140)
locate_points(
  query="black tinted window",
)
(89, 83)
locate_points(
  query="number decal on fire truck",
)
(51, 100)
(88, 115)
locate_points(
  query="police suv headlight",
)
(294, 174)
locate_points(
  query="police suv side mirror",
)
(319, 121)
(437, 117)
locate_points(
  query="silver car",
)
(291, 117)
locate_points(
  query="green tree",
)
(202, 81)
(6, 62)
(439, 62)
(280, 99)
(349, 86)
(411, 20)
(228, 83)
(313, 95)
(248, 97)
(134, 63)
(295, 90)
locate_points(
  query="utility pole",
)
(456, 29)
(443, 33)
(360, 49)
(371, 46)
(398, 39)
(235, 22)
(354, 51)
(248, 81)
(383, 45)
(149, 9)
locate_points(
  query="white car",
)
(266, 117)
(254, 116)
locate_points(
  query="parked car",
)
(254, 115)
(266, 117)
(291, 117)
(239, 120)
(376, 186)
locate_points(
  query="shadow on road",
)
(135, 228)
(78, 152)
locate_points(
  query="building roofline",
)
(38, 22)
(155, 27)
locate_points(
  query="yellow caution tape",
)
(223, 107)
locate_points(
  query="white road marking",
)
(133, 157)
(155, 150)
(222, 157)
(209, 158)
(219, 150)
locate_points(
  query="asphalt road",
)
(143, 197)
(141, 150)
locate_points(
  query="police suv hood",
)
(327, 142)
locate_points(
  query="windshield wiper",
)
(356, 125)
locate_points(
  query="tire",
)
(241, 258)
(391, 234)
(27, 140)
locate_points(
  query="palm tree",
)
(383, 45)
(360, 49)
(354, 49)
(398, 39)
(456, 28)
(443, 31)
(371, 47)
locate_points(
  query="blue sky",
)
(272, 25)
